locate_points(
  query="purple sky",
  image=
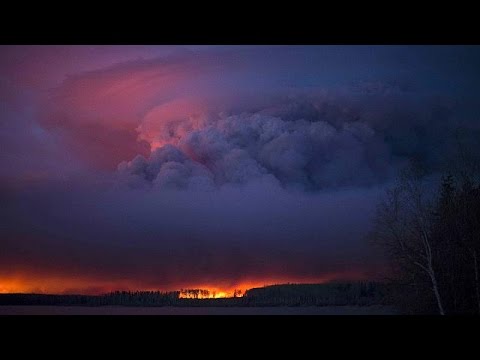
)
(160, 167)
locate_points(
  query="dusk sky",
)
(221, 167)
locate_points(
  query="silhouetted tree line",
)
(195, 293)
(366, 293)
(432, 237)
(119, 298)
(330, 294)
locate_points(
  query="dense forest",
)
(364, 293)
(431, 234)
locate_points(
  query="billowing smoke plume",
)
(236, 149)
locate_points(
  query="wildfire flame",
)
(208, 294)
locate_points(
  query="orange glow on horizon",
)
(75, 285)
(62, 285)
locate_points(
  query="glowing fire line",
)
(208, 294)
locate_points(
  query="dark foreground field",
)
(120, 310)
